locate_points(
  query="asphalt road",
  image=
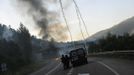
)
(96, 66)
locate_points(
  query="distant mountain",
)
(126, 26)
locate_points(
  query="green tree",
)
(24, 41)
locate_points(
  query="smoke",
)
(7, 34)
(45, 16)
(58, 31)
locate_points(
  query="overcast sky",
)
(98, 15)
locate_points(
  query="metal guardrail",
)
(113, 52)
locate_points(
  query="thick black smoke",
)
(43, 17)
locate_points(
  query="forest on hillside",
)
(19, 48)
(113, 42)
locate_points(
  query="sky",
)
(97, 14)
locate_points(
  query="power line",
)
(80, 26)
(62, 9)
(85, 44)
(81, 17)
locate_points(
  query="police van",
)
(78, 57)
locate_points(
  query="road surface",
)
(96, 66)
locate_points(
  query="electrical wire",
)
(62, 9)
(81, 17)
(80, 26)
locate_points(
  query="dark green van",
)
(78, 57)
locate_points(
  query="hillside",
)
(126, 26)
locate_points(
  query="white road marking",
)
(70, 71)
(111, 69)
(53, 69)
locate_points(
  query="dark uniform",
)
(63, 61)
(67, 61)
